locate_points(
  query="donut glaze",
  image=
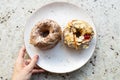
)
(45, 34)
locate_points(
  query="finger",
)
(33, 62)
(27, 61)
(36, 67)
(22, 52)
(37, 71)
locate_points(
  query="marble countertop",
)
(105, 62)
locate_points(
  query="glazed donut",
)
(77, 34)
(46, 34)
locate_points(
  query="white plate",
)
(59, 59)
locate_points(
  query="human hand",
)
(25, 68)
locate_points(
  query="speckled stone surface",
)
(105, 62)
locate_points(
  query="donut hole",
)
(44, 33)
(78, 33)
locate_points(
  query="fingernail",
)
(37, 56)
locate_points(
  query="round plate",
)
(59, 59)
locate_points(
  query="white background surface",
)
(104, 64)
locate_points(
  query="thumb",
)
(33, 62)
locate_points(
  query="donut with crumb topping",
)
(77, 34)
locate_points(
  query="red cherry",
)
(87, 36)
